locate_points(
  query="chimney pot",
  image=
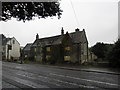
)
(76, 29)
(83, 29)
(37, 36)
(62, 31)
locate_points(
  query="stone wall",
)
(76, 53)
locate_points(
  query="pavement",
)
(113, 71)
(97, 70)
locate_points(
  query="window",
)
(48, 57)
(67, 58)
(9, 47)
(35, 49)
(48, 49)
(13, 41)
(26, 56)
(35, 57)
(67, 48)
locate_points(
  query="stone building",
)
(25, 54)
(67, 47)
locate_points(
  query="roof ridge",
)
(28, 43)
(59, 35)
(75, 36)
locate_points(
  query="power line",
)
(74, 13)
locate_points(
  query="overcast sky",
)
(99, 18)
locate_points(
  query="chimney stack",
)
(84, 30)
(62, 31)
(77, 30)
(37, 36)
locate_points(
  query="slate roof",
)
(48, 41)
(77, 37)
(5, 40)
(27, 47)
(8, 39)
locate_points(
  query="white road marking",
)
(31, 77)
(18, 67)
(25, 76)
(48, 78)
(26, 82)
(84, 86)
(85, 79)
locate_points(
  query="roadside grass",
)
(88, 65)
(70, 65)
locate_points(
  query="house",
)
(26, 52)
(10, 48)
(67, 47)
(2, 46)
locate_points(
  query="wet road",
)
(40, 76)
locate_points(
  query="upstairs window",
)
(13, 41)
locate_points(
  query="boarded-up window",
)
(48, 49)
(35, 49)
(48, 57)
(67, 48)
(67, 58)
(26, 56)
(35, 57)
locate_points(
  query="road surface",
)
(40, 76)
